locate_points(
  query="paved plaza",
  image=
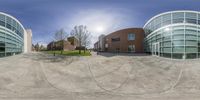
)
(39, 76)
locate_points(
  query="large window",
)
(131, 36)
(2, 20)
(8, 22)
(115, 39)
(199, 19)
(178, 49)
(178, 17)
(2, 47)
(167, 44)
(158, 22)
(166, 19)
(178, 43)
(191, 18)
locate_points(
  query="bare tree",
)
(42, 47)
(37, 47)
(83, 35)
(60, 36)
(86, 40)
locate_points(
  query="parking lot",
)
(39, 76)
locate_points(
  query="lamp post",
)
(53, 46)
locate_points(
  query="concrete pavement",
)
(38, 76)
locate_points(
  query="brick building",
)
(126, 40)
(70, 44)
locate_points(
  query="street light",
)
(53, 46)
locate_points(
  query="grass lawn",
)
(70, 53)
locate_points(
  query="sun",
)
(100, 29)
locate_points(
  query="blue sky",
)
(45, 17)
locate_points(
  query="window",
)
(178, 43)
(8, 22)
(190, 34)
(191, 18)
(167, 50)
(2, 49)
(191, 49)
(131, 36)
(199, 19)
(191, 55)
(191, 43)
(131, 48)
(178, 37)
(2, 17)
(178, 17)
(167, 44)
(178, 49)
(168, 55)
(115, 39)
(178, 32)
(8, 26)
(2, 23)
(178, 55)
(2, 44)
(158, 22)
(106, 45)
(166, 19)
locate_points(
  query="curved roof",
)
(168, 13)
(14, 19)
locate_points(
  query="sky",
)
(45, 17)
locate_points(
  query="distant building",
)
(70, 44)
(73, 40)
(101, 43)
(96, 46)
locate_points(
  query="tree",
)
(33, 47)
(60, 36)
(42, 47)
(37, 47)
(83, 35)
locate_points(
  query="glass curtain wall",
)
(178, 35)
(11, 36)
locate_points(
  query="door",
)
(156, 49)
(2, 49)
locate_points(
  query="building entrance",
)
(156, 49)
(2, 49)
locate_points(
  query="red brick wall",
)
(124, 42)
(68, 46)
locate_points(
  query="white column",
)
(25, 42)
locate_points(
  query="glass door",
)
(2, 49)
(156, 49)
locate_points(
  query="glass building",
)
(11, 35)
(174, 34)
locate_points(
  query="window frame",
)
(131, 36)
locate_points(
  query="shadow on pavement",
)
(111, 54)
